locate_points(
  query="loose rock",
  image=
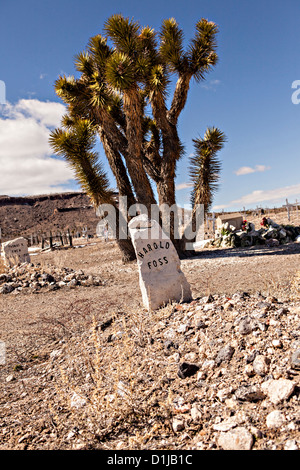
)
(275, 419)
(278, 390)
(236, 439)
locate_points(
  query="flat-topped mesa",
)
(160, 276)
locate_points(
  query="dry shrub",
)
(3, 267)
(295, 286)
(114, 381)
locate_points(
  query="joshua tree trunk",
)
(123, 240)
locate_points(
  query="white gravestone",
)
(15, 251)
(161, 279)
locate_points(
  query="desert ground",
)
(87, 367)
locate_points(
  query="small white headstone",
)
(15, 251)
(161, 279)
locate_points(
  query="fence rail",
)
(45, 239)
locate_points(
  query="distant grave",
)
(15, 251)
(235, 220)
(161, 279)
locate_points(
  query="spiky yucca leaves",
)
(120, 71)
(76, 145)
(202, 52)
(171, 45)
(99, 51)
(84, 63)
(123, 32)
(205, 167)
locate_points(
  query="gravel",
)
(222, 389)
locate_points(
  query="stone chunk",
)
(236, 439)
(278, 390)
(295, 359)
(275, 419)
(178, 424)
(160, 276)
(261, 365)
(225, 354)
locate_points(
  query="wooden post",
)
(70, 238)
(288, 209)
(213, 221)
(61, 239)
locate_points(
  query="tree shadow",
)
(246, 252)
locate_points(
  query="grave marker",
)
(161, 279)
(15, 251)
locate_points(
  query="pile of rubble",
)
(270, 234)
(32, 278)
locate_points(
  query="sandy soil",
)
(222, 271)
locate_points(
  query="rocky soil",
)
(88, 368)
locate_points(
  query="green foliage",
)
(123, 33)
(205, 167)
(99, 51)
(171, 45)
(84, 63)
(76, 145)
(120, 71)
(202, 52)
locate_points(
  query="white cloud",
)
(271, 195)
(211, 85)
(219, 207)
(26, 160)
(183, 186)
(45, 112)
(245, 170)
(261, 196)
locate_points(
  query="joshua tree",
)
(122, 95)
(205, 170)
(205, 167)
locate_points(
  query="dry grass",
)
(295, 286)
(115, 387)
(3, 267)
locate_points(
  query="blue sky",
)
(248, 95)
